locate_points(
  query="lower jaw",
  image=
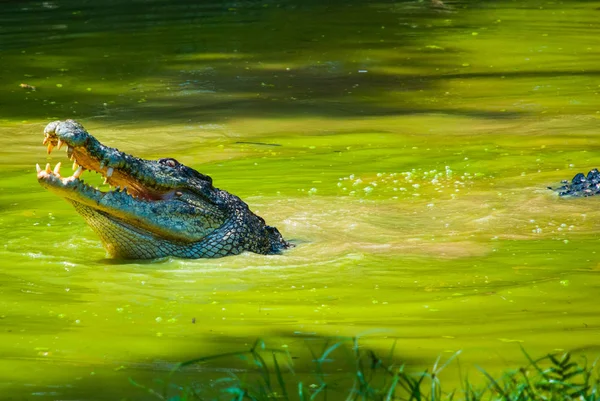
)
(121, 241)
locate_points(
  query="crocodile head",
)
(159, 207)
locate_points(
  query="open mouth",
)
(90, 155)
(152, 208)
(145, 197)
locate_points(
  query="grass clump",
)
(344, 370)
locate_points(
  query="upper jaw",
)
(156, 198)
(138, 177)
(68, 131)
(86, 152)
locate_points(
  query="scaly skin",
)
(580, 185)
(160, 208)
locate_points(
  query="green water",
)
(405, 149)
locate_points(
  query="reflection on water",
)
(405, 150)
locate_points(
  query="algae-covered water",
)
(404, 147)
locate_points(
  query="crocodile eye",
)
(169, 162)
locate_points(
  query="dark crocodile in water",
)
(581, 185)
(159, 208)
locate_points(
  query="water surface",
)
(405, 149)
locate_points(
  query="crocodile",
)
(159, 208)
(581, 185)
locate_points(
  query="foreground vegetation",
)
(269, 374)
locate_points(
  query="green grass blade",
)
(392, 390)
(147, 389)
(280, 377)
(494, 383)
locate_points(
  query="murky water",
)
(405, 149)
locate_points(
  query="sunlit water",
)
(405, 149)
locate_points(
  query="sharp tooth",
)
(38, 168)
(75, 165)
(109, 172)
(77, 173)
(57, 169)
(46, 138)
(101, 165)
(48, 170)
(70, 152)
(60, 144)
(50, 147)
(106, 180)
